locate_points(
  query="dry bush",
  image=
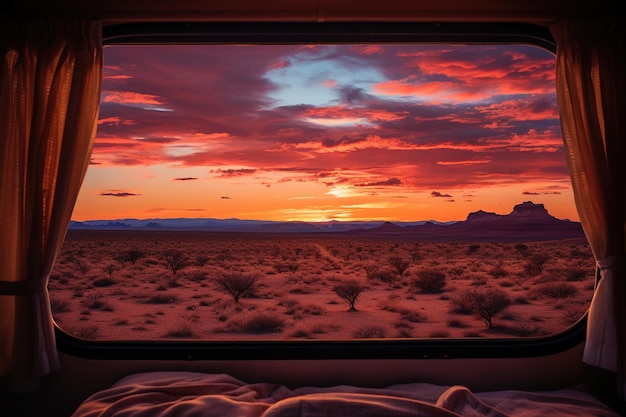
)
(555, 290)
(536, 263)
(170, 281)
(498, 272)
(257, 323)
(383, 275)
(411, 315)
(484, 303)
(369, 332)
(195, 276)
(202, 260)
(487, 304)
(59, 306)
(132, 256)
(88, 332)
(299, 332)
(181, 330)
(175, 259)
(472, 249)
(399, 264)
(463, 304)
(456, 323)
(429, 281)
(237, 284)
(161, 299)
(577, 274)
(98, 304)
(103, 282)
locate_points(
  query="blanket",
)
(195, 394)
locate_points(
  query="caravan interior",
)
(312, 208)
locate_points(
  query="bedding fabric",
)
(194, 394)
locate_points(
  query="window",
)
(307, 190)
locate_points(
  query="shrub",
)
(399, 264)
(498, 272)
(281, 267)
(472, 249)
(182, 330)
(487, 304)
(463, 304)
(383, 275)
(429, 281)
(536, 263)
(237, 284)
(175, 260)
(522, 249)
(258, 323)
(349, 290)
(131, 256)
(161, 299)
(369, 332)
(202, 260)
(88, 332)
(96, 304)
(103, 282)
(556, 290)
(59, 306)
(576, 274)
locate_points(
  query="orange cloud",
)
(129, 97)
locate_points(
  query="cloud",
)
(344, 117)
(118, 194)
(541, 193)
(129, 97)
(225, 197)
(390, 181)
(233, 172)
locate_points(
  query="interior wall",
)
(62, 391)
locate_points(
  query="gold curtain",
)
(591, 90)
(49, 95)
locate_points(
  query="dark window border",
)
(329, 33)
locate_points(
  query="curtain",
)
(49, 95)
(591, 91)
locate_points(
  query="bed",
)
(187, 394)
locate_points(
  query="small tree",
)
(537, 262)
(110, 268)
(486, 304)
(349, 290)
(175, 259)
(202, 260)
(400, 264)
(237, 284)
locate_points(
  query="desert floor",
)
(144, 285)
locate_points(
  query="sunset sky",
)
(316, 133)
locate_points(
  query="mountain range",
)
(527, 222)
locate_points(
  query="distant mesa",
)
(117, 225)
(527, 222)
(526, 212)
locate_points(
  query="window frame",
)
(326, 33)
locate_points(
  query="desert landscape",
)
(156, 284)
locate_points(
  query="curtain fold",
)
(591, 91)
(49, 96)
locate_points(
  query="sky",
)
(394, 132)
